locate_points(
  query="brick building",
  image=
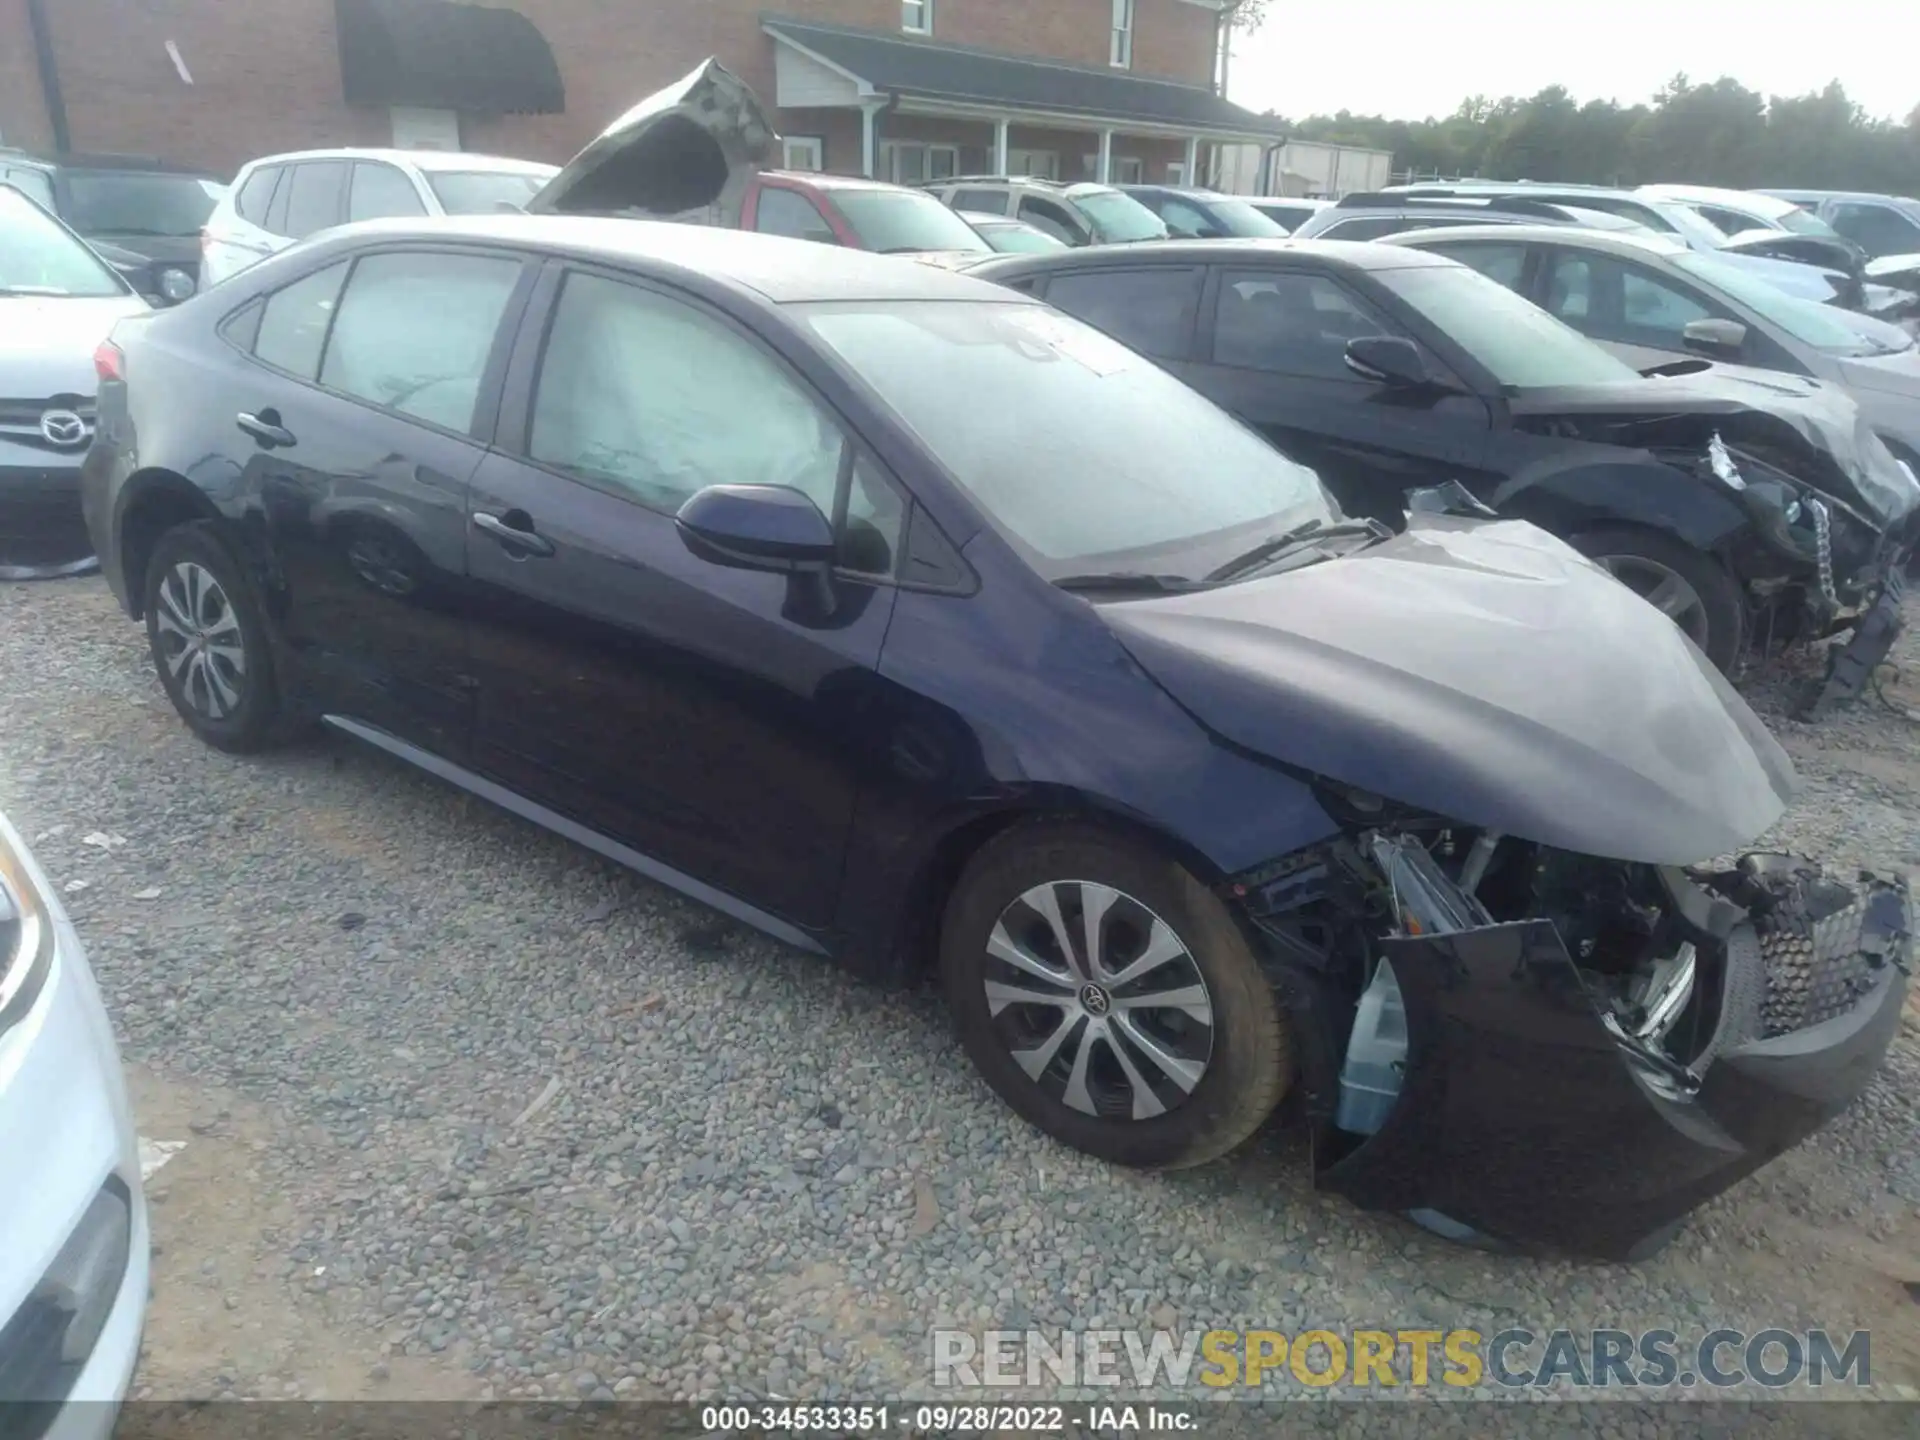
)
(907, 91)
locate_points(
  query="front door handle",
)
(266, 428)
(514, 530)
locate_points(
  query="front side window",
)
(293, 324)
(1150, 310)
(916, 17)
(1520, 345)
(39, 257)
(379, 190)
(787, 212)
(1805, 222)
(1877, 229)
(1611, 299)
(1500, 261)
(138, 202)
(1052, 219)
(1083, 454)
(313, 197)
(1120, 52)
(1290, 323)
(414, 331)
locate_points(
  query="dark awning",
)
(933, 70)
(446, 55)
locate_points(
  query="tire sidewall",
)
(1246, 1017)
(254, 717)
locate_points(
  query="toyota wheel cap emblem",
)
(63, 428)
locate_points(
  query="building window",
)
(911, 163)
(804, 152)
(1127, 169)
(418, 129)
(916, 16)
(1177, 173)
(1121, 54)
(1042, 164)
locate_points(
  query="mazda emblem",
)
(63, 428)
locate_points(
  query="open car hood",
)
(687, 152)
(1482, 671)
(1828, 253)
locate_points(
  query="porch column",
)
(869, 137)
(1105, 177)
(1000, 128)
(1193, 160)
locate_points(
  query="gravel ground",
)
(534, 1122)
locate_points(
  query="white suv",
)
(1080, 214)
(279, 199)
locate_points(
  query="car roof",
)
(779, 269)
(102, 161)
(1754, 201)
(821, 180)
(1618, 242)
(985, 217)
(420, 159)
(1338, 254)
(1185, 192)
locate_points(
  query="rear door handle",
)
(514, 530)
(266, 428)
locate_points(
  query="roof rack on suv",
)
(1505, 204)
(995, 180)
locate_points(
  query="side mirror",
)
(757, 527)
(1722, 338)
(1388, 359)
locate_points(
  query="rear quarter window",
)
(257, 194)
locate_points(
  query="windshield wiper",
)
(1135, 580)
(1274, 547)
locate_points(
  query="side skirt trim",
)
(553, 820)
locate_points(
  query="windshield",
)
(1084, 455)
(1237, 217)
(1805, 222)
(1014, 239)
(134, 202)
(1118, 218)
(39, 257)
(1808, 321)
(1521, 345)
(485, 192)
(1694, 228)
(902, 221)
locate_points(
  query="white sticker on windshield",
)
(1082, 344)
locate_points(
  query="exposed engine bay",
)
(1468, 1004)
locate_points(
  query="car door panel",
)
(365, 504)
(1279, 365)
(695, 713)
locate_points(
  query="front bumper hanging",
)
(1851, 666)
(1525, 1116)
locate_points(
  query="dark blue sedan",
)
(910, 621)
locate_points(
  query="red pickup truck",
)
(696, 151)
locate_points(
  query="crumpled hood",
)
(47, 342)
(1482, 671)
(694, 146)
(1837, 450)
(1902, 271)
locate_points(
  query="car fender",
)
(1567, 496)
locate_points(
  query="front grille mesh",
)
(1818, 968)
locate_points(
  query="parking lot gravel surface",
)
(537, 1127)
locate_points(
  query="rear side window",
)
(984, 202)
(257, 194)
(788, 212)
(293, 326)
(378, 190)
(1502, 262)
(414, 330)
(1052, 218)
(313, 199)
(1147, 310)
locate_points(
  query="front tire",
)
(1109, 997)
(208, 638)
(1688, 586)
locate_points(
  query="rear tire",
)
(208, 638)
(1162, 1048)
(1691, 587)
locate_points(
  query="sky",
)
(1408, 59)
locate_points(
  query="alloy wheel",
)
(1666, 591)
(1098, 1000)
(200, 640)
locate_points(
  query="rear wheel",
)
(208, 639)
(1690, 587)
(1110, 998)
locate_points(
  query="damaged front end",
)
(1519, 1044)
